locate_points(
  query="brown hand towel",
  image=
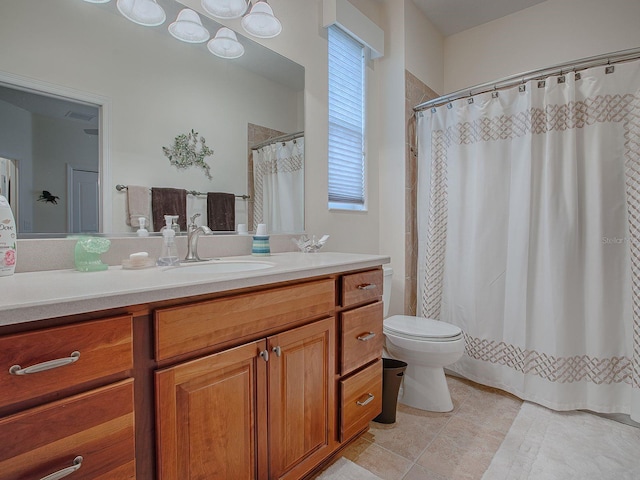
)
(168, 201)
(221, 211)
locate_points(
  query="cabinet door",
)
(211, 417)
(301, 398)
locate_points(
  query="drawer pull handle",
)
(367, 401)
(41, 367)
(367, 286)
(367, 336)
(265, 355)
(77, 463)
(277, 350)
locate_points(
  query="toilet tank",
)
(387, 271)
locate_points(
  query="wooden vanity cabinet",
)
(262, 410)
(266, 383)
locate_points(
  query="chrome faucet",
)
(193, 232)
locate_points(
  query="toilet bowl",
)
(427, 346)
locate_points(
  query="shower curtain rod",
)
(281, 138)
(510, 81)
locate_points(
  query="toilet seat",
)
(420, 328)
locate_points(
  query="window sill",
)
(346, 207)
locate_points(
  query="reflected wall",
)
(155, 88)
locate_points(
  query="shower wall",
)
(416, 92)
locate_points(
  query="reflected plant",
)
(184, 152)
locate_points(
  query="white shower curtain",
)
(529, 236)
(278, 174)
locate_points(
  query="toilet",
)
(427, 346)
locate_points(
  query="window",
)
(346, 121)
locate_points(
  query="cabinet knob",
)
(277, 350)
(366, 286)
(369, 399)
(265, 355)
(77, 463)
(41, 367)
(366, 336)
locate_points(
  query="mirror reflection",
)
(133, 90)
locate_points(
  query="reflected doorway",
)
(9, 183)
(45, 133)
(83, 200)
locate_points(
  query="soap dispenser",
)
(174, 223)
(142, 231)
(169, 255)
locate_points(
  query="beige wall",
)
(304, 40)
(424, 48)
(392, 132)
(551, 32)
(158, 88)
(546, 34)
(411, 42)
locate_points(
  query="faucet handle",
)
(192, 219)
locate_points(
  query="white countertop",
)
(33, 296)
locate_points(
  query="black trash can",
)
(393, 371)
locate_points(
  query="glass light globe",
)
(225, 8)
(260, 21)
(143, 12)
(225, 44)
(188, 27)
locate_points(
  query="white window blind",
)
(346, 121)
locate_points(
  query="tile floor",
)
(457, 445)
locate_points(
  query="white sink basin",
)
(209, 268)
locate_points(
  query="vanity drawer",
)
(361, 287)
(360, 400)
(97, 425)
(105, 348)
(189, 328)
(361, 336)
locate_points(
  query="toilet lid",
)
(419, 327)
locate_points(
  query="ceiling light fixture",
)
(143, 12)
(188, 27)
(260, 21)
(225, 44)
(226, 9)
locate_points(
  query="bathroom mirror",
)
(147, 88)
